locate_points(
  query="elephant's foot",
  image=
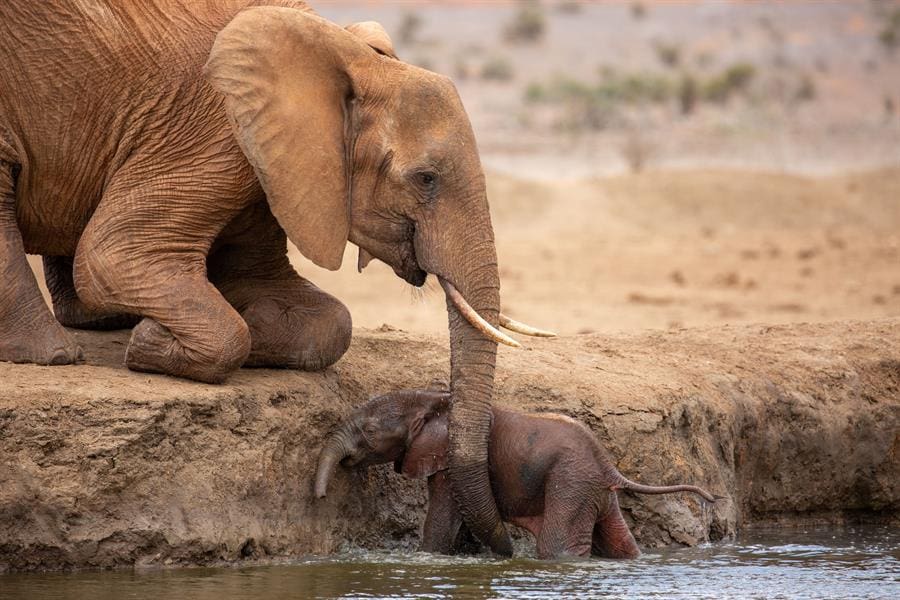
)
(37, 340)
(153, 349)
(28, 331)
(69, 309)
(308, 336)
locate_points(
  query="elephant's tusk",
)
(474, 318)
(522, 328)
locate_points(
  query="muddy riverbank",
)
(102, 467)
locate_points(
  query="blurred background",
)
(664, 164)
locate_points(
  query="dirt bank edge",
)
(101, 467)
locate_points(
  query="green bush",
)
(535, 92)
(734, 79)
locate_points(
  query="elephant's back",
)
(92, 85)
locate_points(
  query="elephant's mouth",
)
(409, 269)
(414, 276)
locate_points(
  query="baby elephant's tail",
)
(627, 484)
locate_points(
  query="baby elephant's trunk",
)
(338, 446)
(627, 484)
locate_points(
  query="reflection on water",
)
(844, 563)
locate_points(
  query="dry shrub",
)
(668, 54)
(497, 69)
(637, 149)
(528, 24)
(409, 28)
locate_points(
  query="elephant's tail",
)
(627, 484)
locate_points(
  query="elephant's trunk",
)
(338, 446)
(472, 360)
(627, 484)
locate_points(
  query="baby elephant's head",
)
(380, 431)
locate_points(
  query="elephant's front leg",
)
(443, 521)
(28, 331)
(292, 322)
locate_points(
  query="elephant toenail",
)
(60, 357)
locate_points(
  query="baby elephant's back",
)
(526, 448)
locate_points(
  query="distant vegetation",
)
(889, 35)
(733, 80)
(528, 25)
(591, 100)
(638, 10)
(668, 54)
(497, 68)
(410, 27)
(569, 6)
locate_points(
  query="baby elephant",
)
(548, 473)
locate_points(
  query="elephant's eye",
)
(427, 182)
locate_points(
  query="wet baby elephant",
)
(548, 473)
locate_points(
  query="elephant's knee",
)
(307, 336)
(330, 335)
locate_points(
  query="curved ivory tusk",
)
(474, 318)
(522, 328)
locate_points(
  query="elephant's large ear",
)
(428, 452)
(286, 77)
(372, 33)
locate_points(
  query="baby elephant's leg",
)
(443, 521)
(612, 538)
(569, 516)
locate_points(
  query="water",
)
(819, 564)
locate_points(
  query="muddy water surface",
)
(820, 563)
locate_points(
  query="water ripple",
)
(795, 565)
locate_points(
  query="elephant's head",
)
(350, 143)
(390, 429)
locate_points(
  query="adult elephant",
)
(159, 156)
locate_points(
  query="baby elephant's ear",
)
(372, 33)
(428, 452)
